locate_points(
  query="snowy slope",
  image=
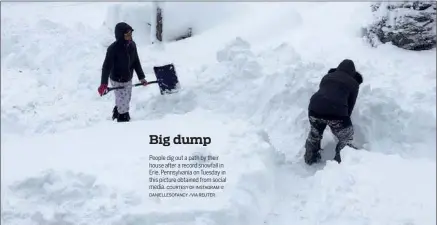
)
(257, 69)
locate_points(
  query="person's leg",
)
(115, 113)
(128, 92)
(122, 100)
(128, 95)
(117, 93)
(344, 131)
(312, 144)
(123, 105)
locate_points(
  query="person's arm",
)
(108, 63)
(352, 100)
(137, 66)
(353, 97)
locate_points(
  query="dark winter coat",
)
(337, 94)
(121, 58)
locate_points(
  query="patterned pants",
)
(122, 96)
(342, 129)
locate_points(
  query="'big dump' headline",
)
(179, 139)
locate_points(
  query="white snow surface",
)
(246, 75)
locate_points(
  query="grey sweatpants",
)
(122, 96)
(342, 129)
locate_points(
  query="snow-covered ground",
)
(94, 181)
(246, 77)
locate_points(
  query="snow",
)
(365, 189)
(73, 184)
(200, 16)
(246, 77)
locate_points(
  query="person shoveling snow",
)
(332, 106)
(120, 61)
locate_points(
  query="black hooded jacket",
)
(338, 91)
(121, 58)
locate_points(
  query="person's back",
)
(337, 93)
(332, 106)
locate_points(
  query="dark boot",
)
(115, 113)
(312, 153)
(125, 117)
(338, 148)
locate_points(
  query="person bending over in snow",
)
(332, 106)
(120, 61)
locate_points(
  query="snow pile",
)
(37, 52)
(385, 125)
(42, 87)
(91, 182)
(409, 25)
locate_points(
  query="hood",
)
(347, 66)
(120, 29)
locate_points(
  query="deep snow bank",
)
(99, 175)
(367, 188)
(47, 69)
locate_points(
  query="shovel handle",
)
(121, 87)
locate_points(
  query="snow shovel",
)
(166, 79)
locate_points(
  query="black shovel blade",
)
(167, 79)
